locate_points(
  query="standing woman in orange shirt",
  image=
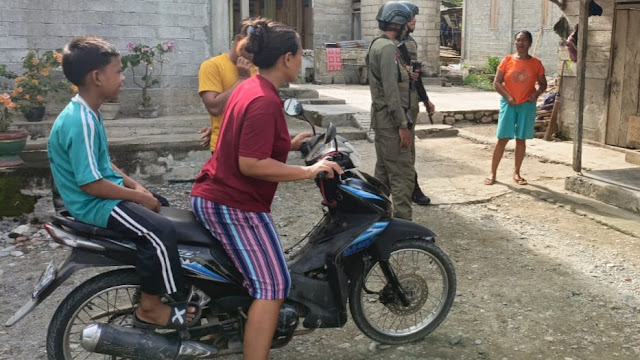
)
(516, 82)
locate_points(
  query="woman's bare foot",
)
(490, 180)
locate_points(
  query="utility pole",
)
(583, 34)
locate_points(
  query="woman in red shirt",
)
(515, 81)
(232, 195)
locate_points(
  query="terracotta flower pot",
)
(11, 144)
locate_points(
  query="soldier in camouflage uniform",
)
(417, 196)
(388, 81)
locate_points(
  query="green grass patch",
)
(478, 81)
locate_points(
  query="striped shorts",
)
(252, 242)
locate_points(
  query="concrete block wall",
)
(332, 21)
(28, 24)
(481, 42)
(597, 72)
(351, 59)
(427, 33)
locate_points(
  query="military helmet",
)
(412, 7)
(393, 12)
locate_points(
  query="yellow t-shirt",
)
(218, 74)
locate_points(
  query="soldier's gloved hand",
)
(405, 137)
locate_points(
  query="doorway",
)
(624, 100)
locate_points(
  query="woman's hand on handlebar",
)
(327, 166)
(297, 141)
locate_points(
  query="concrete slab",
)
(444, 98)
(633, 157)
(339, 115)
(436, 130)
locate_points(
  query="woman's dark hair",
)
(84, 55)
(526, 34)
(268, 40)
(245, 24)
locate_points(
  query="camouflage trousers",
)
(395, 168)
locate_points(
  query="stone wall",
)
(597, 72)
(427, 33)
(29, 24)
(332, 21)
(481, 41)
(452, 117)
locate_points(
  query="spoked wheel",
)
(428, 278)
(111, 298)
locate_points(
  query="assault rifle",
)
(415, 85)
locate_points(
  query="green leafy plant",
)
(151, 58)
(492, 64)
(478, 81)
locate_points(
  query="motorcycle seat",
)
(189, 231)
(83, 229)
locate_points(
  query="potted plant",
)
(109, 109)
(151, 58)
(11, 141)
(37, 82)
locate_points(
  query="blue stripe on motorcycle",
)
(360, 193)
(366, 238)
(199, 269)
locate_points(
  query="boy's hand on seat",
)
(142, 189)
(150, 202)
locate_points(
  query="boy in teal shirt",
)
(96, 192)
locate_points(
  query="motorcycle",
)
(399, 286)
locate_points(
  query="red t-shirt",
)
(253, 126)
(520, 76)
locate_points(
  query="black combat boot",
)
(418, 197)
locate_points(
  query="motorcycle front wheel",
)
(111, 297)
(425, 273)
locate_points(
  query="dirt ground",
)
(535, 281)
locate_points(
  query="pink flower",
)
(145, 49)
(168, 45)
(131, 46)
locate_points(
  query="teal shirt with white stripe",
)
(78, 154)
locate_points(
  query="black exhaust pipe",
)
(138, 344)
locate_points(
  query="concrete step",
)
(131, 127)
(619, 187)
(298, 93)
(325, 100)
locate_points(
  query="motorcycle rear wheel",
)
(110, 297)
(430, 281)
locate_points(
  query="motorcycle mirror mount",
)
(331, 134)
(293, 107)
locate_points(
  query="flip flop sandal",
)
(520, 180)
(177, 318)
(489, 181)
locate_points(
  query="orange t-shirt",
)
(520, 76)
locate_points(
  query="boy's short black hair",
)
(84, 55)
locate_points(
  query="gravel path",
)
(535, 281)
